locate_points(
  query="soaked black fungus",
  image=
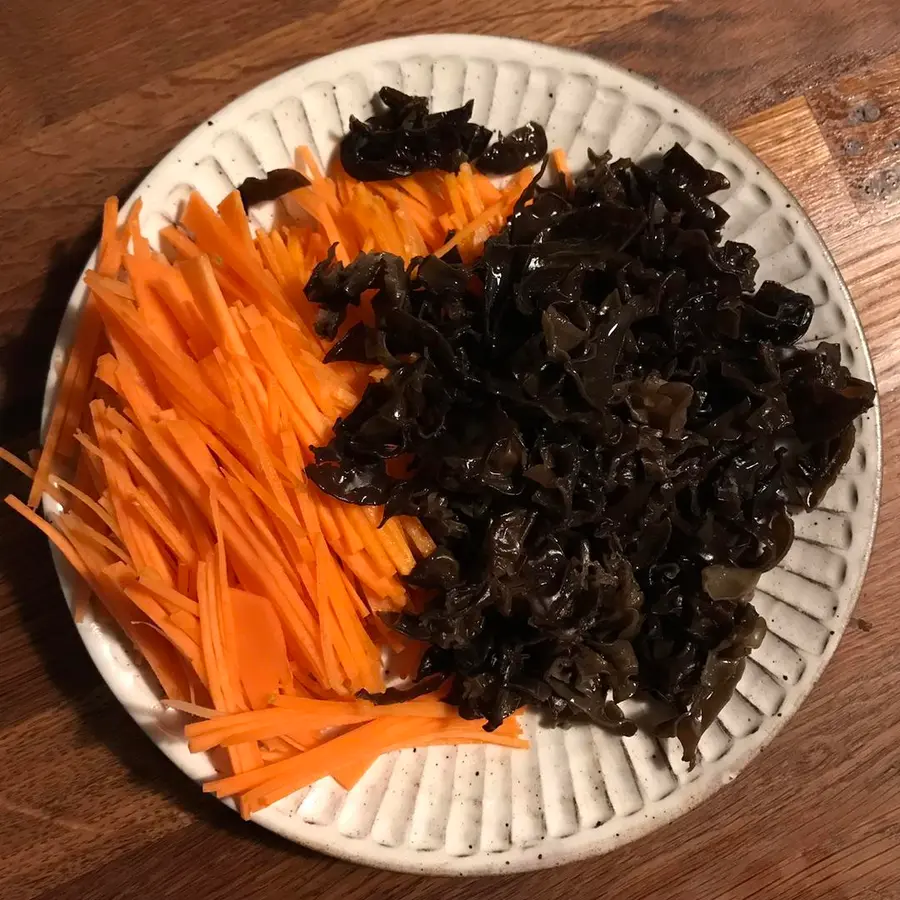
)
(512, 152)
(404, 137)
(606, 424)
(277, 183)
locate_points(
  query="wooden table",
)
(91, 95)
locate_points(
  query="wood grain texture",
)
(91, 95)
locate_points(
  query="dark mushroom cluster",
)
(604, 425)
(405, 138)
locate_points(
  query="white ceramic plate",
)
(580, 791)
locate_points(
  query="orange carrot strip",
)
(316, 763)
(28, 472)
(231, 210)
(150, 307)
(169, 596)
(394, 541)
(420, 538)
(359, 656)
(160, 522)
(189, 624)
(561, 164)
(74, 524)
(352, 592)
(328, 628)
(201, 280)
(214, 237)
(272, 581)
(469, 193)
(147, 605)
(63, 544)
(308, 164)
(75, 378)
(16, 463)
(486, 189)
(81, 602)
(208, 629)
(466, 233)
(374, 540)
(432, 199)
(179, 241)
(173, 290)
(163, 658)
(367, 739)
(151, 478)
(192, 709)
(261, 648)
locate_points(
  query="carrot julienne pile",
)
(176, 448)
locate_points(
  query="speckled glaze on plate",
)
(577, 792)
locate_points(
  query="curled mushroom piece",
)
(729, 583)
(276, 183)
(512, 152)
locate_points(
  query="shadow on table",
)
(27, 567)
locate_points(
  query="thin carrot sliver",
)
(561, 163)
(157, 519)
(231, 209)
(73, 523)
(177, 599)
(308, 161)
(58, 540)
(76, 374)
(471, 228)
(420, 538)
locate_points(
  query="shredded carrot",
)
(231, 209)
(14, 461)
(57, 538)
(561, 163)
(185, 415)
(349, 751)
(262, 652)
(73, 385)
(420, 538)
(193, 709)
(173, 599)
(306, 160)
